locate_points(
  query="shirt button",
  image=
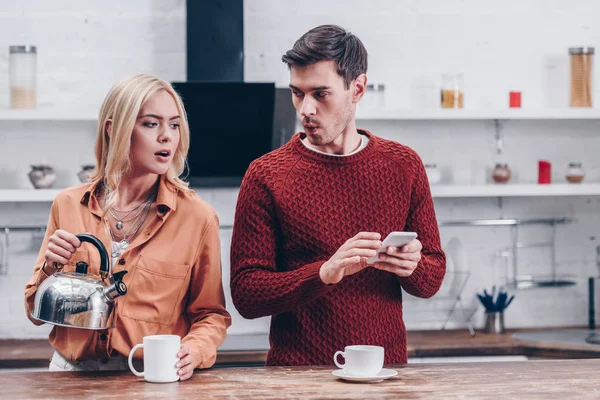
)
(103, 337)
(122, 261)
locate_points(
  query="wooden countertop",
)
(547, 379)
(458, 343)
(37, 353)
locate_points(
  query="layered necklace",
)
(136, 215)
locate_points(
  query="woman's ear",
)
(108, 127)
(360, 86)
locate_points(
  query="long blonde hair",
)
(122, 106)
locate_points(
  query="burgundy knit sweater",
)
(296, 207)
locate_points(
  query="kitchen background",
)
(498, 47)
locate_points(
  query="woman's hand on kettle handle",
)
(61, 246)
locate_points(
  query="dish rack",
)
(514, 279)
(459, 279)
(6, 231)
(456, 281)
(447, 305)
(517, 280)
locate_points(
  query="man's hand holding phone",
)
(351, 257)
(400, 254)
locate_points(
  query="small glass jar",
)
(374, 97)
(501, 173)
(22, 71)
(434, 175)
(575, 172)
(581, 76)
(452, 91)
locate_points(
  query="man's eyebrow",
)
(314, 89)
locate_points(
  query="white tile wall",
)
(513, 45)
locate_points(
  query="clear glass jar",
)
(501, 173)
(581, 76)
(374, 97)
(434, 175)
(452, 91)
(23, 73)
(575, 172)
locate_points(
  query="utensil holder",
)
(494, 322)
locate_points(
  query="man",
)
(310, 214)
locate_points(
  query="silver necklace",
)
(119, 246)
(119, 220)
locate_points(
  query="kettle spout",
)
(117, 287)
(115, 290)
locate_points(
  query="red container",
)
(514, 99)
(544, 172)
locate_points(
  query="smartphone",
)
(394, 239)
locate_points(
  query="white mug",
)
(361, 360)
(160, 358)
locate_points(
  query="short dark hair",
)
(330, 43)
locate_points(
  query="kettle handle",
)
(104, 265)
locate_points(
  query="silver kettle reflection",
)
(77, 299)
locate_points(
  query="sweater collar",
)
(305, 151)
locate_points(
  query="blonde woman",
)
(165, 236)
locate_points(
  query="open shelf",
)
(53, 114)
(27, 195)
(465, 114)
(46, 114)
(437, 191)
(516, 190)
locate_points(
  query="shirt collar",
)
(166, 197)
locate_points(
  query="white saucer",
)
(383, 374)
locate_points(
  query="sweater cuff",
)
(314, 285)
(416, 278)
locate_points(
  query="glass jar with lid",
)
(452, 91)
(575, 172)
(581, 76)
(22, 72)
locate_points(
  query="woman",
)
(158, 230)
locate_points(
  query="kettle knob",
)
(81, 267)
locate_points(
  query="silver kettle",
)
(77, 299)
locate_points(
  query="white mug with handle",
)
(160, 358)
(361, 361)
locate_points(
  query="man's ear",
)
(108, 127)
(359, 87)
